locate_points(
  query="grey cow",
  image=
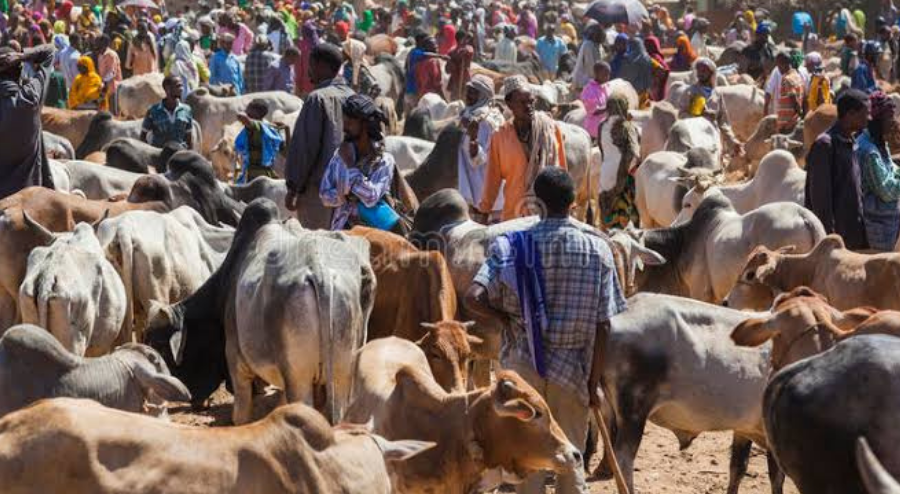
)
(34, 365)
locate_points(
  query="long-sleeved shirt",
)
(225, 68)
(588, 55)
(471, 169)
(317, 134)
(342, 185)
(23, 161)
(280, 76)
(507, 163)
(879, 174)
(834, 188)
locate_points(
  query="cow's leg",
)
(242, 382)
(776, 475)
(740, 458)
(604, 468)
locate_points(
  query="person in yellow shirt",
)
(819, 90)
(87, 86)
(519, 150)
(568, 29)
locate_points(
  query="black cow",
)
(136, 156)
(815, 410)
(103, 130)
(438, 171)
(58, 147)
(419, 125)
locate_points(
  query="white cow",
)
(72, 291)
(779, 178)
(658, 197)
(161, 257)
(696, 132)
(96, 182)
(408, 152)
(136, 94)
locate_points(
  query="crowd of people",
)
(512, 160)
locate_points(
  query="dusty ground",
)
(660, 466)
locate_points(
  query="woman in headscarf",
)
(619, 137)
(365, 24)
(620, 48)
(447, 39)
(87, 86)
(684, 57)
(638, 70)
(750, 17)
(301, 71)
(184, 67)
(880, 176)
(480, 119)
(660, 68)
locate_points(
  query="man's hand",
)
(244, 119)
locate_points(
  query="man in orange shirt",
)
(519, 150)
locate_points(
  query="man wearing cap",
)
(317, 134)
(703, 99)
(257, 64)
(224, 67)
(518, 151)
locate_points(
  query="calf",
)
(34, 366)
(293, 450)
(136, 156)
(847, 279)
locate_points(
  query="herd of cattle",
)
(145, 278)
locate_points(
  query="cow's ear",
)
(752, 332)
(421, 341)
(395, 451)
(516, 408)
(165, 386)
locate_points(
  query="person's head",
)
(882, 119)
(462, 38)
(173, 87)
(75, 41)
(705, 69)
(601, 72)
(325, 62)
(429, 44)
(509, 32)
(555, 189)
(871, 51)
(763, 30)
(783, 62)
(102, 43)
(621, 43)
(13, 72)
(853, 110)
(851, 41)
(291, 55)
(813, 62)
(519, 98)
(257, 109)
(549, 30)
(261, 42)
(479, 89)
(362, 119)
(85, 65)
(226, 42)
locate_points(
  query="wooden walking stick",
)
(611, 453)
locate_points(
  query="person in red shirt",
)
(459, 65)
(428, 70)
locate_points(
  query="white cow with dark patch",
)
(161, 257)
(72, 291)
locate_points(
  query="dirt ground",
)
(660, 466)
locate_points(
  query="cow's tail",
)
(325, 304)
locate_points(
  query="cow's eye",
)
(750, 275)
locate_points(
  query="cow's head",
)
(631, 256)
(192, 344)
(448, 347)
(519, 434)
(152, 377)
(756, 289)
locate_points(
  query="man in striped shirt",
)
(789, 107)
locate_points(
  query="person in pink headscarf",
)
(447, 39)
(309, 39)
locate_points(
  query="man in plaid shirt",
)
(256, 67)
(555, 288)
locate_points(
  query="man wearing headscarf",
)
(317, 134)
(703, 99)
(23, 161)
(518, 151)
(880, 175)
(480, 119)
(590, 53)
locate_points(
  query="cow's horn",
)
(43, 233)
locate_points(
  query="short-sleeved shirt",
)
(549, 51)
(581, 290)
(168, 126)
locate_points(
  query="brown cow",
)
(486, 436)
(55, 211)
(448, 347)
(414, 286)
(847, 279)
(84, 447)
(71, 124)
(815, 124)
